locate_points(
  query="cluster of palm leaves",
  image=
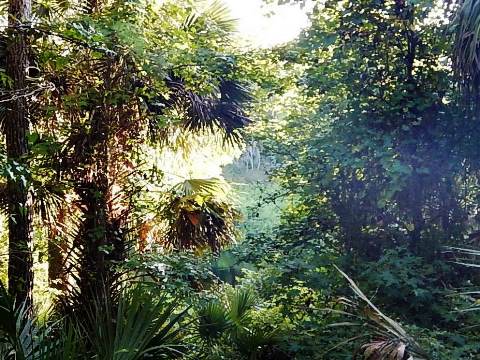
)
(200, 215)
(215, 11)
(229, 322)
(139, 326)
(76, 165)
(222, 110)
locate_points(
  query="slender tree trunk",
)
(94, 274)
(57, 248)
(20, 265)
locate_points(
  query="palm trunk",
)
(94, 273)
(20, 264)
(57, 249)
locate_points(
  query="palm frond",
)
(224, 112)
(234, 321)
(200, 222)
(468, 257)
(142, 326)
(199, 215)
(213, 186)
(50, 9)
(463, 251)
(221, 111)
(213, 321)
(47, 198)
(21, 338)
(389, 341)
(240, 302)
(385, 350)
(252, 341)
(215, 12)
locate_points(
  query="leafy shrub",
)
(412, 286)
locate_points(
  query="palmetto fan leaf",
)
(212, 186)
(240, 302)
(216, 12)
(200, 222)
(214, 321)
(251, 341)
(199, 215)
(231, 321)
(48, 9)
(222, 110)
(141, 327)
(22, 338)
(217, 317)
(46, 199)
(52, 8)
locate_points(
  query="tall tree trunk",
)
(94, 272)
(20, 265)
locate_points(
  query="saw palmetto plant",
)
(231, 321)
(23, 337)
(136, 327)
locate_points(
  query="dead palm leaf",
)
(199, 214)
(390, 341)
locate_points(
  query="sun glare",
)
(262, 26)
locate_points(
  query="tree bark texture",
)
(20, 265)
